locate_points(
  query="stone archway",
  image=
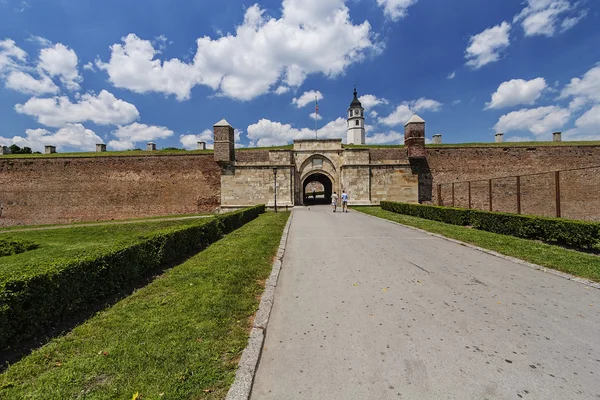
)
(324, 180)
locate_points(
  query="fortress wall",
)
(394, 183)
(62, 190)
(580, 196)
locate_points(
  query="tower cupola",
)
(356, 121)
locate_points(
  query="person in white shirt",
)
(334, 199)
(344, 201)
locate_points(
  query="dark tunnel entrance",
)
(317, 189)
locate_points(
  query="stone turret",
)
(414, 137)
(224, 147)
(356, 121)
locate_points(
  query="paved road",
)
(366, 309)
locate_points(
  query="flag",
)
(316, 106)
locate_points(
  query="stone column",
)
(100, 147)
(557, 136)
(437, 139)
(49, 149)
(150, 146)
(201, 145)
(224, 148)
(499, 137)
(414, 137)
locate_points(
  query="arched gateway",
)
(368, 174)
(326, 183)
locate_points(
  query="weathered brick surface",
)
(580, 197)
(252, 156)
(60, 190)
(388, 155)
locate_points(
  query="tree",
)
(14, 149)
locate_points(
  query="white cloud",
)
(103, 109)
(369, 101)
(129, 135)
(519, 139)
(71, 136)
(281, 90)
(271, 133)
(455, 102)
(315, 116)
(395, 9)
(40, 41)
(385, 138)
(589, 122)
(547, 17)
(404, 111)
(540, 121)
(517, 91)
(62, 62)
(487, 46)
(586, 88)
(452, 75)
(307, 98)
(25, 83)
(373, 114)
(190, 142)
(10, 55)
(89, 66)
(311, 37)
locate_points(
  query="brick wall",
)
(61, 190)
(580, 197)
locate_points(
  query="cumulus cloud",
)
(71, 136)
(310, 37)
(103, 109)
(272, 133)
(25, 83)
(307, 98)
(404, 111)
(129, 135)
(369, 101)
(589, 122)
(487, 46)
(548, 17)
(315, 116)
(281, 90)
(395, 9)
(540, 121)
(391, 137)
(61, 61)
(190, 141)
(10, 55)
(517, 91)
(519, 139)
(584, 89)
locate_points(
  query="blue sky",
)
(75, 73)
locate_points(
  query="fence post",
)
(490, 190)
(439, 194)
(452, 194)
(557, 184)
(469, 194)
(518, 195)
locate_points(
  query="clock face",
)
(355, 112)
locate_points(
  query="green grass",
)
(62, 244)
(555, 257)
(178, 338)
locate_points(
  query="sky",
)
(125, 72)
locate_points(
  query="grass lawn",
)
(178, 338)
(63, 244)
(555, 257)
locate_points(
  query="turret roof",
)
(355, 103)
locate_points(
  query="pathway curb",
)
(563, 275)
(244, 377)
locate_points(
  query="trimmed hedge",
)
(579, 234)
(9, 246)
(30, 305)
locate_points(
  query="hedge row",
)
(31, 305)
(579, 234)
(8, 246)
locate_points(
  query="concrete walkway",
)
(366, 309)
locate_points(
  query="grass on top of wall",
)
(64, 244)
(555, 257)
(180, 337)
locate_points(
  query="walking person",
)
(334, 199)
(344, 201)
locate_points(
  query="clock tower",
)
(356, 122)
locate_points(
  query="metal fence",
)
(570, 193)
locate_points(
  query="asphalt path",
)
(367, 309)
